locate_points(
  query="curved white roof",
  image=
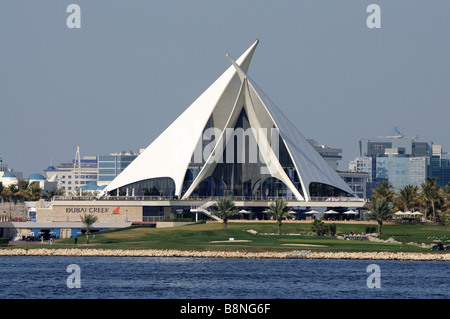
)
(308, 162)
(170, 154)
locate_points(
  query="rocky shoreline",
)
(303, 254)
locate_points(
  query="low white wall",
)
(171, 224)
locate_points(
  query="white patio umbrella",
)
(399, 213)
(408, 213)
(331, 212)
(351, 212)
(311, 212)
(417, 213)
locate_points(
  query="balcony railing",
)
(210, 198)
(151, 218)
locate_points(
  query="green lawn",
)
(209, 236)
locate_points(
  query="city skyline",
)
(98, 87)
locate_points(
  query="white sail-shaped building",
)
(231, 141)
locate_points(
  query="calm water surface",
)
(186, 278)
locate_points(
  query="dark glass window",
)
(242, 173)
(163, 186)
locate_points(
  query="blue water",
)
(186, 278)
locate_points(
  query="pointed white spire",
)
(239, 71)
(163, 158)
(220, 105)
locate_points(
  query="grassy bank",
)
(295, 236)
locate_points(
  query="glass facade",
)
(357, 181)
(162, 187)
(401, 170)
(241, 172)
(399, 159)
(109, 166)
(440, 168)
(417, 170)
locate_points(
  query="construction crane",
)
(396, 130)
(397, 134)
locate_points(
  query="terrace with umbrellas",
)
(334, 215)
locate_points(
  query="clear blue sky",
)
(134, 66)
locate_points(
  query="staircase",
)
(204, 209)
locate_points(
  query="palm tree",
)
(88, 220)
(447, 188)
(24, 189)
(384, 190)
(379, 211)
(430, 194)
(12, 193)
(35, 192)
(225, 209)
(54, 192)
(23, 184)
(278, 210)
(446, 206)
(407, 198)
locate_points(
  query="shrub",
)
(4, 241)
(318, 227)
(321, 229)
(332, 229)
(371, 229)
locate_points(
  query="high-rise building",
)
(330, 155)
(399, 159)
(361, 164)
(401, 170)
(403, 145)
(439, 166)
(358, 182)
(70, 176)
(109, 166)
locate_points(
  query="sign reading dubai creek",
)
(87, 209)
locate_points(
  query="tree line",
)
(26, 191)
(277, 209)
(432, 201)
